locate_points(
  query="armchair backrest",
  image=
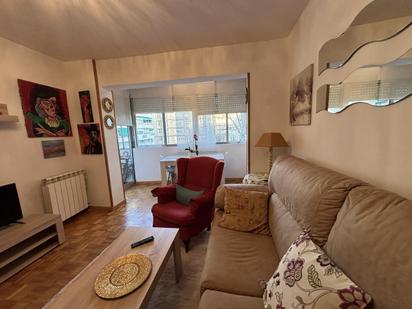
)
(199, 172)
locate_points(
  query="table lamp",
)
(271, 140)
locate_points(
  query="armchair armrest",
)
(220, 192)
(165, 194)
(201, 202)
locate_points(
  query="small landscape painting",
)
(86, 106)
(301, 98)
(45, 110)
(53, 149)
(90, 140)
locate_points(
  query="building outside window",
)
(174, 128)
(179, 126)
(149, 129)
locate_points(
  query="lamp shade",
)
(271, 140)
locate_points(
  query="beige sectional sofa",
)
(365, 230)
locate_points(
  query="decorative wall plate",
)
(107, 105)
(122, 276)
(109, 121)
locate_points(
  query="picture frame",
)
(300, 113)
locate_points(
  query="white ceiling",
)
(81, 29)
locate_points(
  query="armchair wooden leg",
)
(187, 243)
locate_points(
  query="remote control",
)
(141, 242)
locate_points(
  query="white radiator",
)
(65, 194)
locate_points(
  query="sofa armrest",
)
(165, 194)
(220, 192)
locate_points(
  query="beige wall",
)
(21, 158)
(122, 102)
(79, 76)
(364, 141)
(112, 153)
(266, 62)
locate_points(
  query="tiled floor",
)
(87, 234)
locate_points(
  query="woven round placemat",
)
(122, 276)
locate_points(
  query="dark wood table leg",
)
(177, 259)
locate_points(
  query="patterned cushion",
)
(307, 278)
(246, 211)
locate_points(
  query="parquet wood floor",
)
(87, 234)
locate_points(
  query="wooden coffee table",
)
(79, 293)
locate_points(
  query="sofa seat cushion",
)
(174, 212)
(371, 243)
(237, 261)
(220, 300)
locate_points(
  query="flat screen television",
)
(10, 210)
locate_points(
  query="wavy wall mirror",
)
(379, 85)
(378, 21)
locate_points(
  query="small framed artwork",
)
(90, 138)
(45, 110)
(301, 98)
(86, 106)
(53, 149)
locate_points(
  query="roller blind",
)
(227, 96)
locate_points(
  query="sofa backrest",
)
(313, 195)
(283, 227)
(371, 242)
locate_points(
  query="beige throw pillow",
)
(246, 211)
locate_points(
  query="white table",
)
(171, 160)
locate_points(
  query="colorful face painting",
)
(86, 106)
(45, 110)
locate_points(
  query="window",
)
(222, 128)
(237, 127)
(179, 126)
(215, 110)
(149, 129)
(123, 137)
(212, 128)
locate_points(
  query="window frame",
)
(195, 127)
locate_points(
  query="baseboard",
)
(119, 204)
(100, 208)
(233, 180)
(148, 183)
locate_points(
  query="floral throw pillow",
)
(307, 278)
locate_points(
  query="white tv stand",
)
(22, 244)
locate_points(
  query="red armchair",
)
(198, 174)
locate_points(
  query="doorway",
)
(125, 141)
(159, 121)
